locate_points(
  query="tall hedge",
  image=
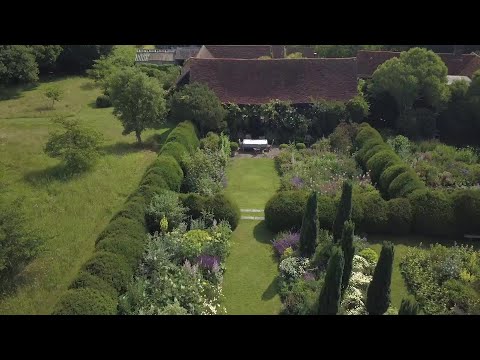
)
(86, 301)
(399, 216)
(175, 150)
(380, 161)
(310, 227)
(344, 210)
(378, 293)
(404, 184)
(389, 174)
(166, 168)
(284, 211)
(466, 207)
(185, 133)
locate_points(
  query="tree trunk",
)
(138, 135)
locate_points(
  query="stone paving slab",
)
(250, 210)
(252, 218)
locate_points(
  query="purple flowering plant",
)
(286, 240)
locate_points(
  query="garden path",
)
(250, 281)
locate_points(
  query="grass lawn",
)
(250, 282)
(402, 244)
(69, 214)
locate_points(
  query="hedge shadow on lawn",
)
(272, 289)
(123, 148)
(53, 173)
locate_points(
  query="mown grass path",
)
(250, 282)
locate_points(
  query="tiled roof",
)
(235, 51)
(183, 53)
(306, 51)
(369, 61)
(259, 81)
(154, 55)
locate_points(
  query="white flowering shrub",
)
(353, 302)
(360, 264)
(294, 267)
(360, 281)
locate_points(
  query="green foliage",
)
(18, 244)
(103, 101)
(123, 226)
(295, 55)
(300, 146)
(330, 295)
(85, 280)
(175, 150)
(365, 133)
(194, 242)
(112, 268)
(348, 252)
(358, 109)
(185, 133)
(344, 210)
(342, 51)
(399, 215)
(77, 146)
(284, 211)
(165, 204)
(168, 169)
(46, 56)
(233, 146)
(375, 219)
(326, 211)
(325, 116)
(283, 146)
(75, 59)
(408, 307)
(198, 103)
(53, 93)
(17, 65)
(299, 297)
(210, 142)
(390, 173)
(166, 75)
(370, 255)
(466, 207)
(404, 184)
(401, 145)
(224, 208)
(433, 213)
(86, 301)
(130, 248)
(378, 294)
(310, 227)
(119, 59)
(341, 139)
(379, 162)
(138, 101)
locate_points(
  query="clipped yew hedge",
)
(120, 246)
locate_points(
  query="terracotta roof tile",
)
(237, 51)
(259, 81)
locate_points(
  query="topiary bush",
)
(368, 154)
(103, 101)
(123, 226)
(233, 146)
(300, 146)
(389, 174)
(466, 205)
(399, 215)
(365, 133)
(224, 208)
(374, 208)
(133, 209)
(185, 133)
(167, 168)
(283, 146)
(175, 150)
(195, 204)
(86, 301)
(380, 161)
(327, 209)
(433, 212)
(369, 144)
(130, 248)
(284, 211)
(404, 184)
(87, 280)
(112, 268)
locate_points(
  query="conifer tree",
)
(344, 211)
(309, 230)
(378, 293)
(348, 252)
(329, 300)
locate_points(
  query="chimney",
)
(458, 49)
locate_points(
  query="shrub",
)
(195, 203)
(330, 295)
(370, 255)
(130, 248)
(211, 142)
(367, 146)
(375, 217)
(77, 146)
(404, 184)
(167, 168)
(133, 209)
(284, 211)
(357, 108)
(283, 146)
(366, 132)
(433, 213)
(193, 243)
(286, 240)
(185, 133)
(399, 214)
(112, 268)
(164, 204)
(466, 204)
(379, 162)
(326, 211)
(103, 101)
(123, 226)
(390, 173)
(18, 244)
(300, 146)
(293, 267)
(233, 146)
(86, 280)
(224, 208)
(374, 150)
(401, 145)
(86, 302)
(175, 150)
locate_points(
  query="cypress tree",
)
(408, 307)
(344, 211)
(309, 230)
(329, 300)
(378, 294)
(348, 252)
